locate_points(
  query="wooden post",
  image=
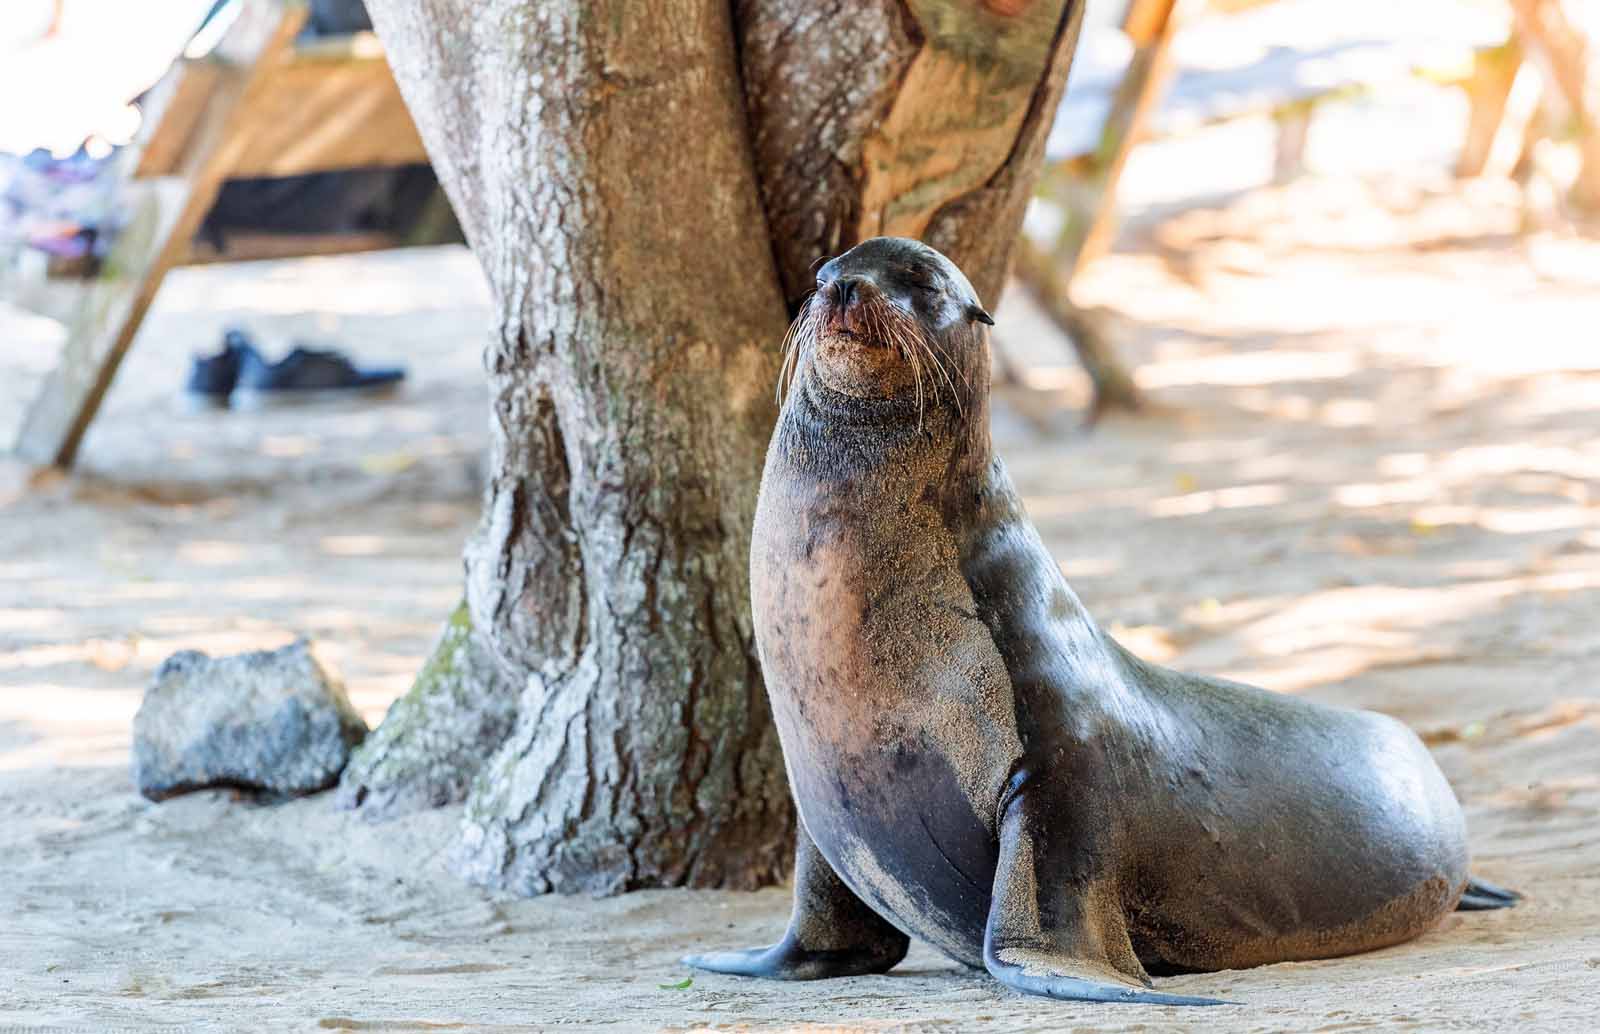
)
(1533, 131)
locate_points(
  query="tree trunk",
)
(910, 118)
(600, 158)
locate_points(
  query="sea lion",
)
(976, 763)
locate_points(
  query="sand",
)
(1376, 482)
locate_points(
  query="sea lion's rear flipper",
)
(832, 933)
(1055, 926)
(1480, 896)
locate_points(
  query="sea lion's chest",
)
(892, 703)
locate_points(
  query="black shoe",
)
(212, 377)
(308, 375)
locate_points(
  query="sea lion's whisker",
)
(800, 334)
(913, 344)
(914, 353)
(899, 331)
(787, 364)
(933, 354)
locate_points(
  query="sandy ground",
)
(1376, 483)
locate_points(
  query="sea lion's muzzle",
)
(849, 302)
(890, 319)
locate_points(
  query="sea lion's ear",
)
(975, 312)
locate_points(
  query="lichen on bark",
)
(435, 738)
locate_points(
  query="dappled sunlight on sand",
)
(1218, 499)
(53, 703)
(228, 532)
(211, 553)
(353, 545)
(1366, 466)
(1246, 368)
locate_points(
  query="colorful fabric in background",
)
(64, 208)
(71, 69)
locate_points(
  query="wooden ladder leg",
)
(1534, 130)
(1494, 72)
(1153, 25)
(1292, 124)
(114, 304)
(166, 213)
(1112, 384)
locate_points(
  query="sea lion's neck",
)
(884, 443)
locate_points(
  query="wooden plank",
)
(328, 104)
(259, 247)
(318, 115)
(1293, 125)
(166, 218)
(1143, 20)
(173, 112)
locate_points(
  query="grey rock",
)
(272, 721)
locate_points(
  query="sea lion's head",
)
(892, 328)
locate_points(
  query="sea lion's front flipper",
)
(1055, 927)
(831, 932)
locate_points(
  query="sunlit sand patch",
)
(1246, 369)
(353, 545)
(1152, 642)
(1219, 499)
(288, 446)
(213, 553)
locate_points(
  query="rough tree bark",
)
(912, 118)
(647, 186)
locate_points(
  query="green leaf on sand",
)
(682, 985)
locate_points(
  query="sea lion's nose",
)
(845, 289)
